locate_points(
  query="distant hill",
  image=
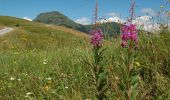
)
(110, 28)
(57, 18)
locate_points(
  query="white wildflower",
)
(49, 78)
(12, 78)
(44, 61)
(28, 93)
(25, 74)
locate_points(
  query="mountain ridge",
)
(59, 19)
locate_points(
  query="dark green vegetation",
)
(40, 62)
(56, 18)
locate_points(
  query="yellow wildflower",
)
(46, 88)
(137, 64)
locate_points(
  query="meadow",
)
(41, 62)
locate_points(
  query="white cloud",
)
(152, 27)
(112, 19)
(116, 19)
(113, 14)
(142, 19)
(148, 11)
(26, 18)
(83, 21)
(147, 23)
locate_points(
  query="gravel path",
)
(5, 30)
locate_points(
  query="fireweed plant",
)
(99, 74)
(129, 80)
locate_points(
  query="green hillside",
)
(32, 33)
(109, 29)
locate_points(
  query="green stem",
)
(100, 83)
(129, 70)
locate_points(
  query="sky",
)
(80, 11)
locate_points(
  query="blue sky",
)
(75, 9)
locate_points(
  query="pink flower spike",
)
(97, 37)
(129, 33)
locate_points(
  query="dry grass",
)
(1, 27)
(61, 28)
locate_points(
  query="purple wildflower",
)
(129, 32)
(97, 37)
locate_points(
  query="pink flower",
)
(97, 37)
(129, 33)
(125, 36)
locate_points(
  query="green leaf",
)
(102, 75)
(134, 79)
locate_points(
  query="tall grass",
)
(53, 70)
(46, 63)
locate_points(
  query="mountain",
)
(57, 18)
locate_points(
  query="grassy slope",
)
(35, 52)
(40, 34)
(25, 49)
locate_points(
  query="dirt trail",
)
(5, 30)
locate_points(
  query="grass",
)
(1, 26)
(48, 62)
